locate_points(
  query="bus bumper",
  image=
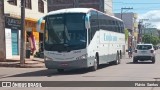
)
(75, 64)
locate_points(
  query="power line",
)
(143, 8)
(134, 3)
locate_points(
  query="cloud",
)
(153, 16)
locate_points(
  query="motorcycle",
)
(130, 54)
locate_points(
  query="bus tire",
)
(95, 65)
(117, 61)
(135, 60)
(120, 55)
(60, 70)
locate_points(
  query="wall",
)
(8, 43)
(108, 7)
(101, 5)
(31, 17)
(32, 13)
(127, 18)
(2, 33)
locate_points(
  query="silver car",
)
(144, 52)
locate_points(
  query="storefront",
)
(30, 27)
(12, 36)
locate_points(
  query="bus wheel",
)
(95, 65)
(120, 55)
(60, 70)
(117, 61)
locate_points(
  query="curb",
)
(18, 65)
(38, 60)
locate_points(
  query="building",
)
(2, 45)
(34, 9)
(151, 31)
(101, 5)
(130, 22)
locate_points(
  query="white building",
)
(34, 9)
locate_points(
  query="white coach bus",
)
(81, 38)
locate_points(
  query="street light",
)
(124, 9)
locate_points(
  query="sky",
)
(146, 9)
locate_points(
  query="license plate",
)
(64, 64)
(143, 51)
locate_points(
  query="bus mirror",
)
(39, 22)
(87, 22)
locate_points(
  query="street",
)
(126, 71)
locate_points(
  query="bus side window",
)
(94, 25)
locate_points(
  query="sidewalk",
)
(29, 63)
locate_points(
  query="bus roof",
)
(77, 10)
(70, 10)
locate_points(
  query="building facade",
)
(151, 31)
(34, 9)
(101, 5)
(2, 37)
(130, 22)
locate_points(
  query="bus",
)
(81, 38)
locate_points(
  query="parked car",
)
(144, 52)
(155, 47)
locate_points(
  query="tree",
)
(155, 40)
(150, 39)
(146, 38)
(126, 34)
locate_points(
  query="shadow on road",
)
(49, 73)
(139, 63)
(53, 72)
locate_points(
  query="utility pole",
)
(2, 32)
(124, 9)
(140, 28)
(22, 52)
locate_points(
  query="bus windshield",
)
(65, 32)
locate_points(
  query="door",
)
(14, 42)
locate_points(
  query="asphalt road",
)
(126, 71)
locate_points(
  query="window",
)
(28, 4)
(144, 47)
(40, 6)
(13, 2)
(94, 23)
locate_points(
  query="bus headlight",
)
(48, 59)
(82, 57)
